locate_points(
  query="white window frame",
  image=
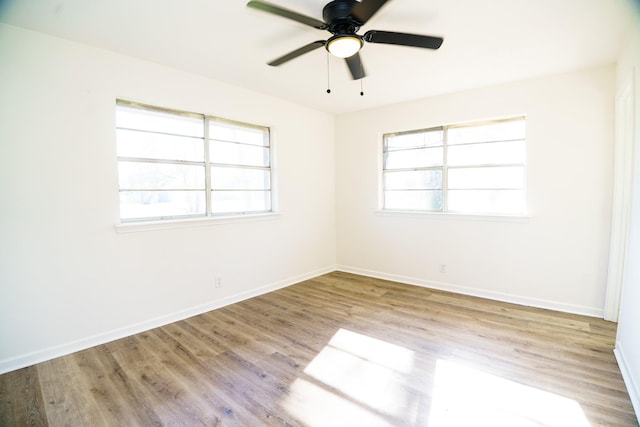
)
(445, 167)
(207, 163)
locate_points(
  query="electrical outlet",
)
(218, 282)
(443, 268)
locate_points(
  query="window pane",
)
(497, 177)
(238, 154)
(160, 176)
(231, 132)
(240, 201)
(430, 200)
(159, 146)
(159, 121)
(223, 178)
(496, 131)
(164, 172)
(422, 157)
(486, 201)
(413, 180)
(158, 204)
(487, 153)
(430, 138)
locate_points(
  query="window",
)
(476, 168)
(174, 164)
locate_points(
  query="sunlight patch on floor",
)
(464, 396)
(316, 406)
(355, 375)
(363, 381)
(373, 350)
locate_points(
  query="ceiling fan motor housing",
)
(337, 16)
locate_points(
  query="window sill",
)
(453, 216)
(133, 227)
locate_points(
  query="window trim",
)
(180, 220)
(444, 212)
(190, 222)
(453, 216)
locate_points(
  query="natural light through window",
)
(360, 367)
(356, 376)
(463, 396)
(316, 405)
(358, 380)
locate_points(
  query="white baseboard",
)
(476, 292)
(633, 388)
(49, 353)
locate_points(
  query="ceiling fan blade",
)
(301, 51)
(364, 10)
(355, 66)
(286, 13)
(404, 39)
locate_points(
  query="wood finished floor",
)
(338, 350)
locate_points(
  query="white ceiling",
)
(485, 42)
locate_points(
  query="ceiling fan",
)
(343, 19)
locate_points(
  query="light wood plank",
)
(21, 400)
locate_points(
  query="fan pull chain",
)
(328, 75)
(361, 78)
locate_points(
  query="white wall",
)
(628, 338)
(68, 279)
(556, 259)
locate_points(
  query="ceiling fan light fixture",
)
(344, 46)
